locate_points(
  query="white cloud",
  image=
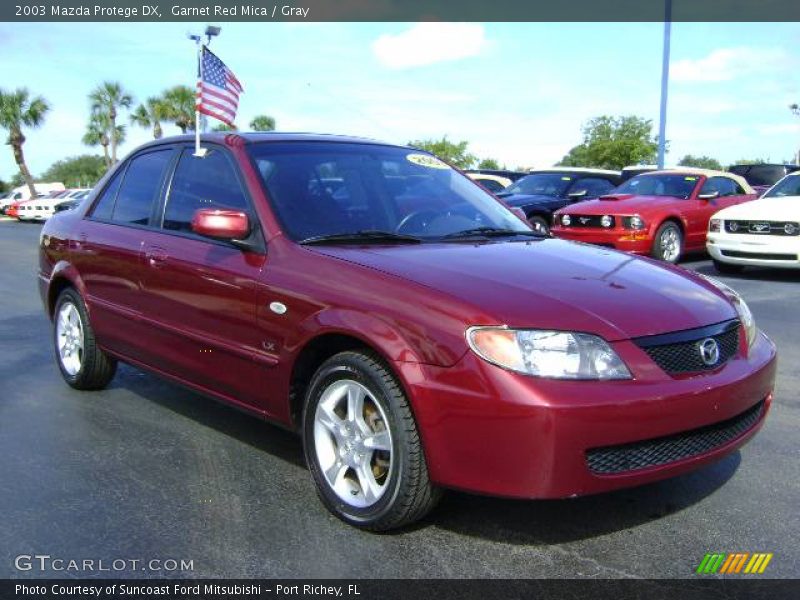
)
(429, 43)
(726, 64)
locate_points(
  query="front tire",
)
(539, 225)
(668, 243)
(82, 363)
(362, 445)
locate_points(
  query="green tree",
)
(106, 100)
(97, 135)
(223, 127)
(262, 123)
(179, 106)
(17, 110)
(751, 161)
(77, 171)
(454, 153)
(488, 163)
(701, 162)
(150, 114)
(614, 143)
(4, 187)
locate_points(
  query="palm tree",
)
(17, 108)
(179, 106)
(97, 135)
(262, 123)
(150, 114)
(107, 99)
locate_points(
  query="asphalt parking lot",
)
(147, 470)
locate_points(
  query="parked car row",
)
(46, 205)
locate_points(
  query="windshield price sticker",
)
(425, 160)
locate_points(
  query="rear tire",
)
(727, 268)
(82, 363)
(668, 243)
(362, 444)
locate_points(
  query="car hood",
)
(553, 284)
(627, 204)
(786, 208)
(526, 199)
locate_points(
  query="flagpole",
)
(198, 151)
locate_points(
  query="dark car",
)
(414, 331)
(542, 192)
(763, 176)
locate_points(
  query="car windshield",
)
(675, 185)
(788, 186)
(381, 193)
(546, 184)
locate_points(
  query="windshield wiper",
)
(490, 232)
(361, 236)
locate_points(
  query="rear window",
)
(760, 174)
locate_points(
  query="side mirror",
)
(219, 224)
(708, 196)
(576, 195)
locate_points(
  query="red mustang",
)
(663, 213)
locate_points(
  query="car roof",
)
(575, 170)
(235, 138)
(705, 172)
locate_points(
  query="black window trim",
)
(256, 240)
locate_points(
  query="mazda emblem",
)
(709, 351)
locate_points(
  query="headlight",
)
(715, 225)
(607, 221)
(565, 220)
(552, 354)
(634, 222)
(745, 316)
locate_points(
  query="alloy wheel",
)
(69, 337)
(353, 444)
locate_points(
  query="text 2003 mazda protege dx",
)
(416, 331)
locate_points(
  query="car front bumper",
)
(782, 252)
(492, 431)
(636, 242)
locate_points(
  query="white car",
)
(761, 233)
(44, 208)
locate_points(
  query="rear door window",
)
(104, 205)
(142, 183)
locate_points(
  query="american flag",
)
(217, 89)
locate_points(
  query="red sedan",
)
(664, 213)
(413, 330)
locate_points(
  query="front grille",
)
(790, 228)
(681, 352)
(589, 221)
(613, 460)
(758, 255)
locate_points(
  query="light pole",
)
(662, 120)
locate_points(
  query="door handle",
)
(155, 257)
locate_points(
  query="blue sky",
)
(518, 92)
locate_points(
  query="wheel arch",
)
(64, 275)
(316, 351)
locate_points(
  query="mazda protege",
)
(414, 330)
